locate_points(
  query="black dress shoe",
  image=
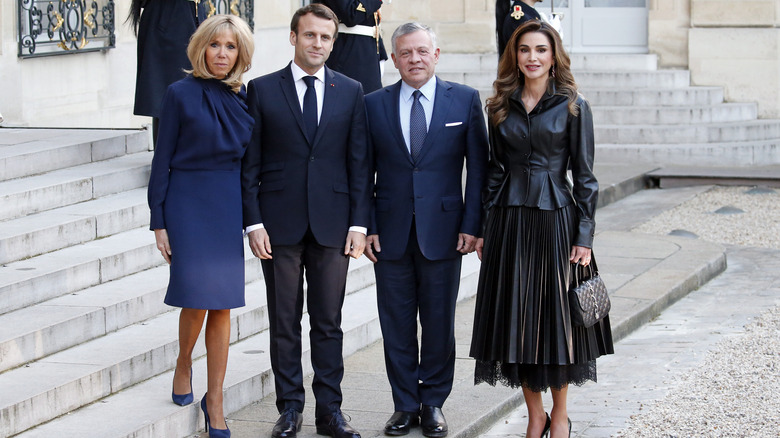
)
(432, 422)
(335, 425)
(401, 422)
(288, 424)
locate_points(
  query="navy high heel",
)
(213, 433)
(185, 399)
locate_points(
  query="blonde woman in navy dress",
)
(195, 201)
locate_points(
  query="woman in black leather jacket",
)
(538, 226)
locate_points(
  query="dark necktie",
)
(417, 126)
(310, 108)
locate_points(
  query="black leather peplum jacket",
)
(530, 154)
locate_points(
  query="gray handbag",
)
(588, 297)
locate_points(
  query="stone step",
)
(585, 78)
(735, 153)
(41, 278)
(690, 96)
(248, 379)
(26, 152)
(613, 61)
(674, 115)
(66, 226)
(751, 130)
(72, 185)
(38, 331)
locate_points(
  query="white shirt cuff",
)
(363, 230)
(251, 228)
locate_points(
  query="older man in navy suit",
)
(306, 190)
(422, 130)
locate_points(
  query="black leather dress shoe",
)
(288, 424)
(432, 422)
(335, 425)
(401, 422)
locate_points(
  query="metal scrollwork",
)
(68, 26)
(243, 8)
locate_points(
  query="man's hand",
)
(260, 243)
(372, 244)
(478, 247)
(161, 236)
(466, 243)
(356, 243)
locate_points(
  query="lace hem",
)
(537, 378)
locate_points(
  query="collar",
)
(428, 89)
(298, 73)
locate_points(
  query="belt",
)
(369, 31)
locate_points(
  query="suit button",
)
(311, 158)
(416, 170)
(523, 135)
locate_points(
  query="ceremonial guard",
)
(510, 17)
(358, 49)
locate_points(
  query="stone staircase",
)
(646, 115)
(86, 344)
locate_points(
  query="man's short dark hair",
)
(319, 10)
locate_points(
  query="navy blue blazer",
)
(431, 189)
(290, 184)
(204, 126)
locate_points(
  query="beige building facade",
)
(731, 44)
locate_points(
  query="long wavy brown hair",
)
(510, 79)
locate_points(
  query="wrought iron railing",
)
(58, 27)
(243, 8)
(48, 27)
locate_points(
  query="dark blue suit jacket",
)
(289, 183)
(431, 188)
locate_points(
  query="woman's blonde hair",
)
(209, 30)
(510, 78)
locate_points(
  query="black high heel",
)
(213, 433)
(569, 420)
(546, 431)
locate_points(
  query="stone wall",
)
(668, 25)
(736, 45)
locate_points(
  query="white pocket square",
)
(453, 124)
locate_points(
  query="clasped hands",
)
(466, 244)
(260, 244)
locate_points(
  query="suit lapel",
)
(287, 85)
(391, 99)
(441, 108)
(329, 101)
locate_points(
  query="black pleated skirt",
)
(523, 334)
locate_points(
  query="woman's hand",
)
(580, 254)
(161, 236)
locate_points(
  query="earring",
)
(518, 71)
(552, 71)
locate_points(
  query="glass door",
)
(601, 26)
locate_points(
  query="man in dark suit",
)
(306, 195)
(422, 129)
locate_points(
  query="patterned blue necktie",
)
(310, 108)
(417, 126)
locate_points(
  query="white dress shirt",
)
(406, 100)
(300, 86)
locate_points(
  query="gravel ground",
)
(736, 393)
(758, 225)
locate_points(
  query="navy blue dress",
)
(195, 192)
